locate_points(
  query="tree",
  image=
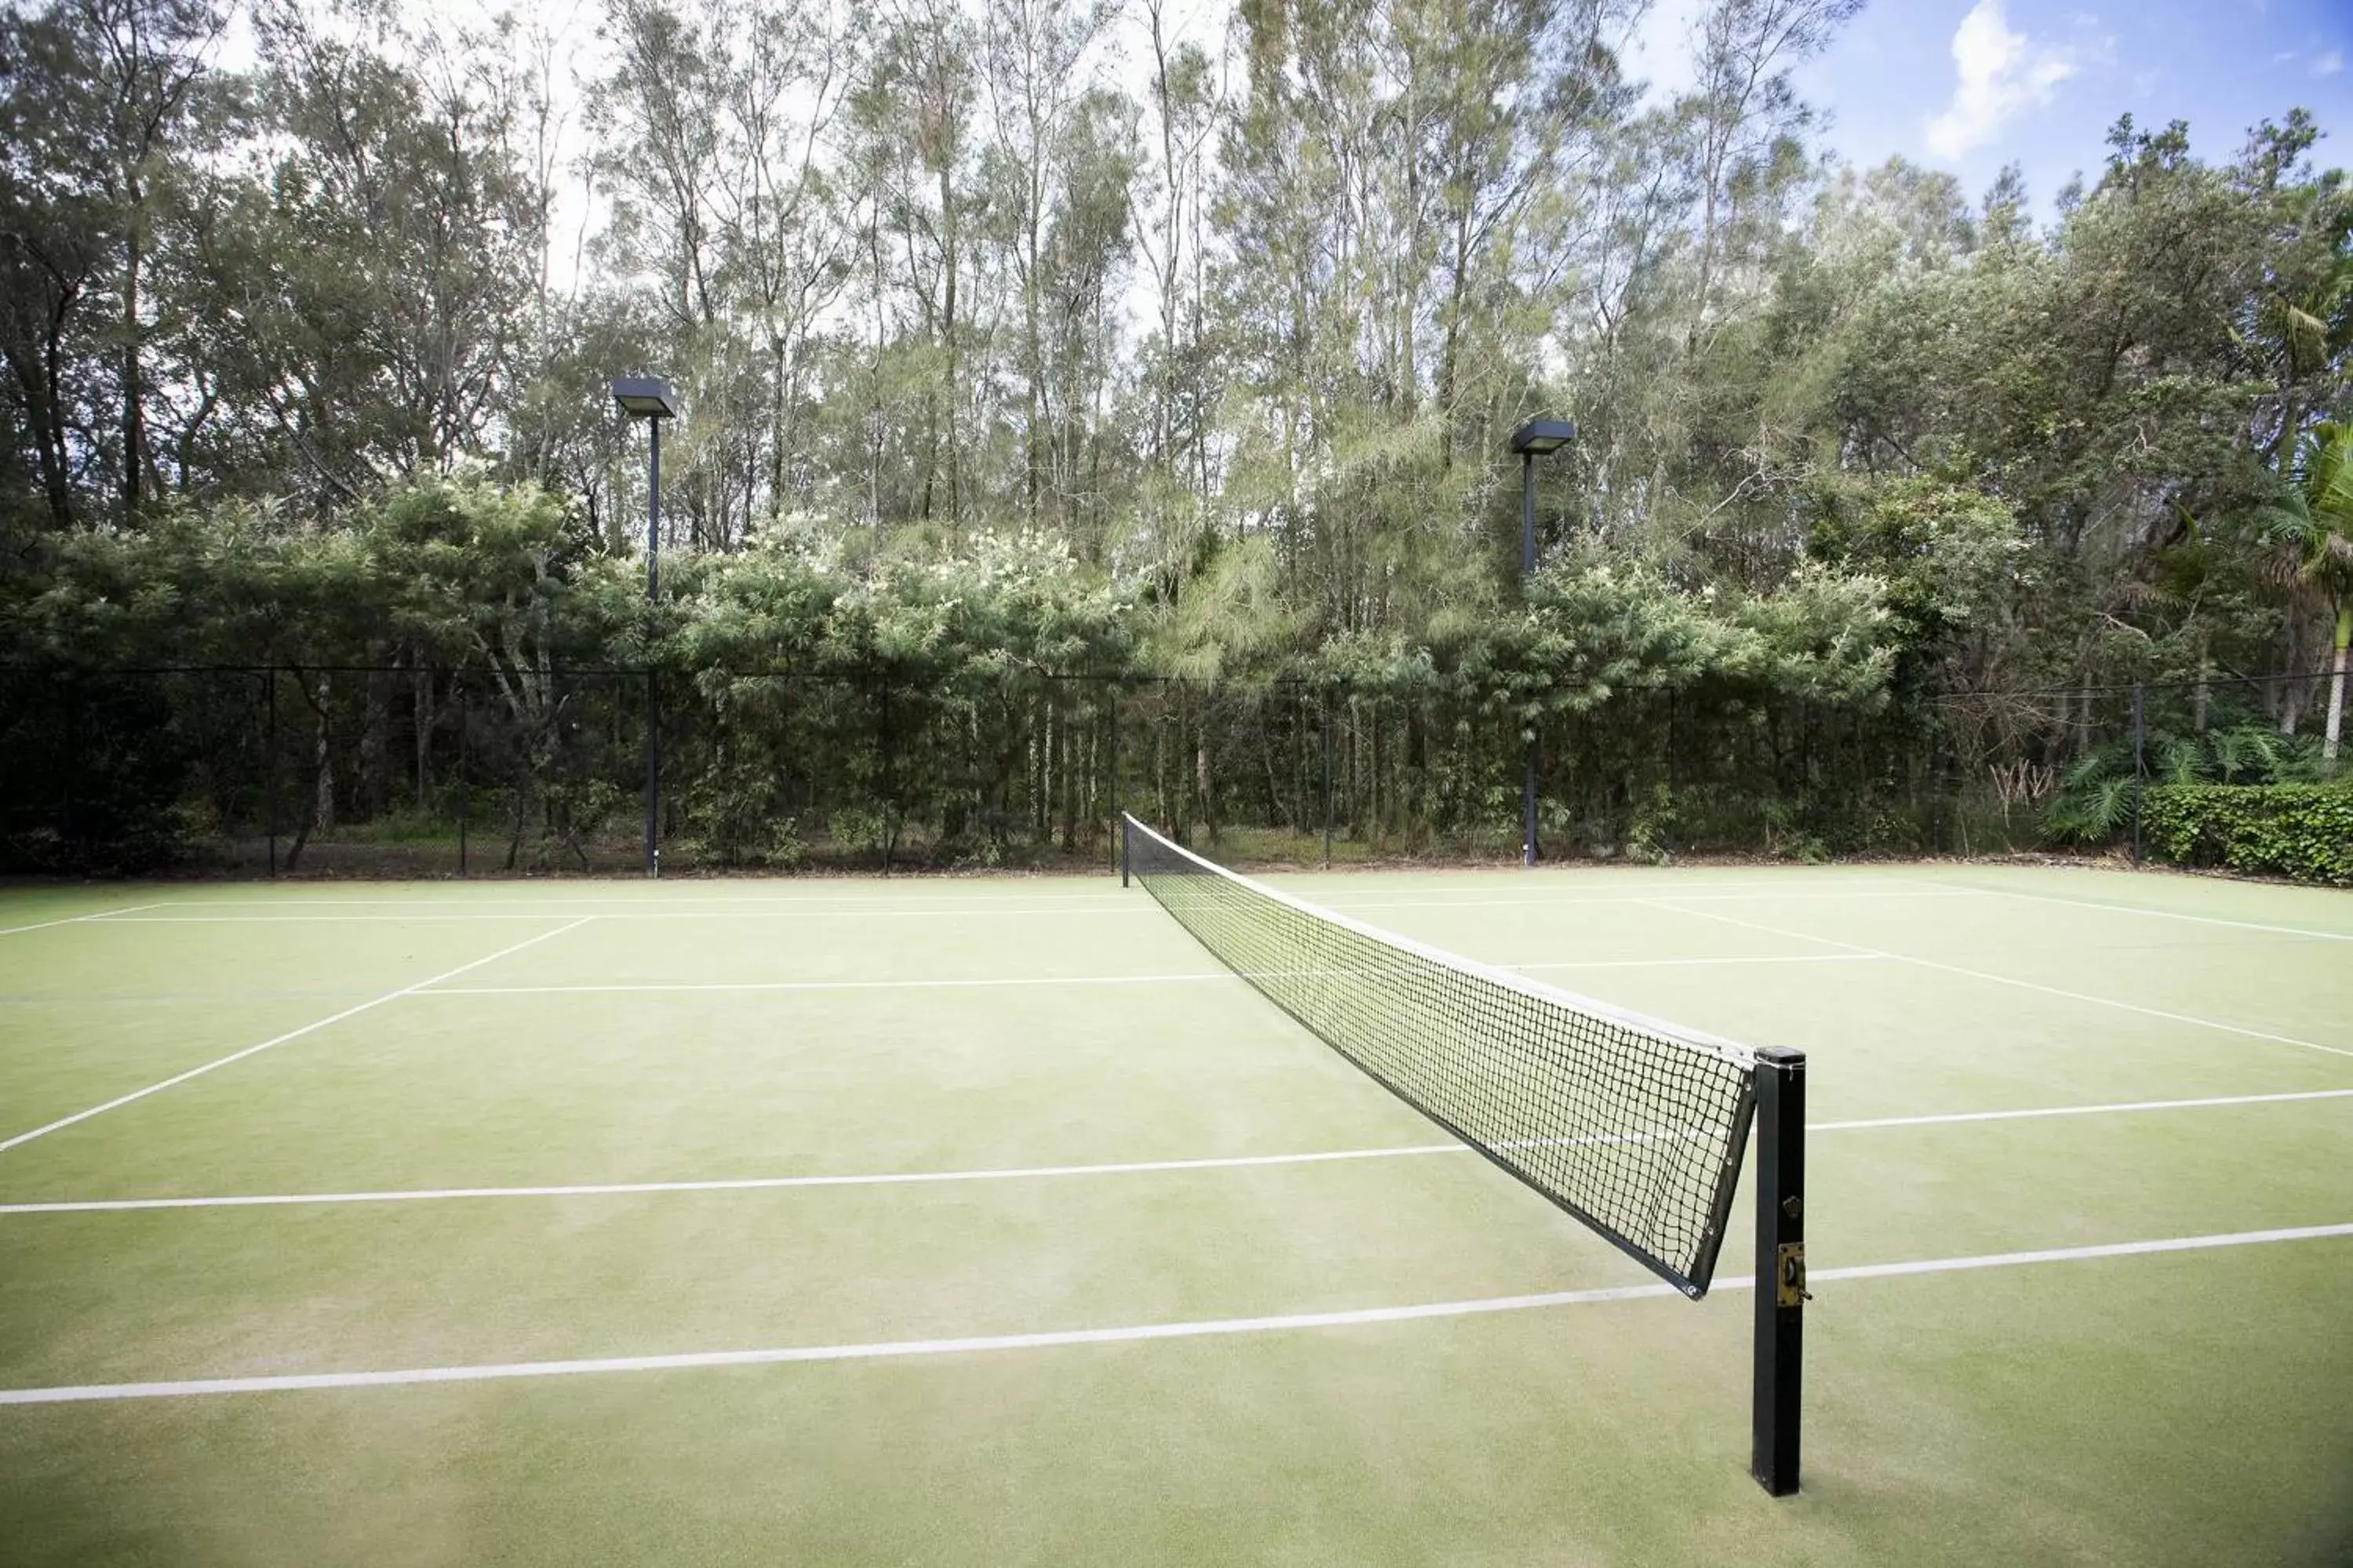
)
(2314, 541)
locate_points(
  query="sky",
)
(1968, 85)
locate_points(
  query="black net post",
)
(1123, 840)
(1781, 1267)
(1119, 829)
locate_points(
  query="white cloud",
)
(1663, 50)
(2282, 58)
(2329, 64)
(2001, 74)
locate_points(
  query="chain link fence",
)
(418, 771)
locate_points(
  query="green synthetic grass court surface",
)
(2189, 1406)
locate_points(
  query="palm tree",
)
(2312, 541)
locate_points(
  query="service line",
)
(1036, 1172)
(1356, 1318)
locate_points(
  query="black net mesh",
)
(1633, 1127)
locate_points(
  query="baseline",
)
(178, 1079)
(667, 987)
(950, 911)
(1288, 1322)
(1031, 1172)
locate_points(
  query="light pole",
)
(647, 399)
(1531, 441)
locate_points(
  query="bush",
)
(2298, 830)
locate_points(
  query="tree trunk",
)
(2336, 689)
(424, 724)
(135, 407)
(1201, 776)
(323, 811)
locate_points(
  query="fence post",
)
(70, 807)
(653, 759)
(269, 789)
(2140, 761)
(465, 758)
(1780, 1267)
(1118, 830)
(1327, 780)
(889, 780)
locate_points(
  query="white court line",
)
(328, 899)
(734, 1185)
(98, 915)
(8, 1143)
(1629, 899)
(663, 987)
(1954, 1118)
(329, 920)
(1059, 907)
(911, 1178)
(1360, 1317)
(1100, 892)
(2167, 914)
(1671, 962)
(324, 912)
(2023, 984)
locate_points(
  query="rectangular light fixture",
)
(1541, 436)
(645, 397)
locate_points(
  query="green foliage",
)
(997, 372)
(1650, 833)
(2094, 802)
(2300, 830)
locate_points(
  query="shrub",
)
(2299, 830)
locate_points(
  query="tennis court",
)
(991, 1220)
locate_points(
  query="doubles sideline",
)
(987, 1343)
(1036, 1173)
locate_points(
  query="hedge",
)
(2299, 830)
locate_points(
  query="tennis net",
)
(1633, 1126)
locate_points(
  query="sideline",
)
(136, 1094)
